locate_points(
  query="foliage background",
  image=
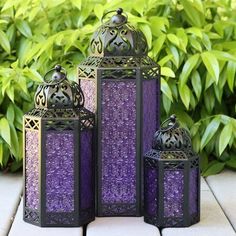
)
(194, 41)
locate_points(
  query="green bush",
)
(194, 41)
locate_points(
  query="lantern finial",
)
(117, 37)
(58, 91)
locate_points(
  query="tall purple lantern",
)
(172, 179)
(59, 156)
(121, 85)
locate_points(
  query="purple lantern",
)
(172, 179)
(59, 156)
(121, 85)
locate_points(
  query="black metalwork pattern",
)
(117, 37)
(178, 178)
(59, 92)
(172, 137)
(59, 112)
(119, 209)
(31, 216)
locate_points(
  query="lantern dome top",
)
(171, 137)
(117, 37)
(58, 92)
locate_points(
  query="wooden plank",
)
(19, 227)
(121, 226)
(11, 189)
(213, 220)
(223, 186)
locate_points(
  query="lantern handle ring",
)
(58, 69)
(119, 11)
(172, 121)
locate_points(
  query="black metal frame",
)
(154, 161)
(79, 119)
(139, 69)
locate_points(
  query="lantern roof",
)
(58, 92)
(171, 137)
(117, 37)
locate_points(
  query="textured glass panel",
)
(32, 168)
(88, 88)
(193, 191)
(149, 113)
(118, 142)
(150, 191)
(59, 171)
(173, 193)
(86, 172)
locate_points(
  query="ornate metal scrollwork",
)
(172, 137)
(116, 37)
(59, 92)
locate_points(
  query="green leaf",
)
(231, 69)
(158, 43)
(183, 39)
(173, 39)
(166, 89)
(173, 51)
(225, 137)
(184, 92)
(214, 168)
(211, 65)
(210, 131)
(14, 142)
(10, 113)
(1, 153)
(4, 42)
(24, 28)
(99, 10)
(231, 163)
(147, 32)
(166, 71)
(166, 103)
(195, 31)
(77, 3)
(195, 44)
(5, 130)
(187, 69)
(165, 60)
(224, 56)
(10, 92)
(196, 83)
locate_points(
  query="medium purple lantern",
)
(59, 156)
(172, 179)
(121, 85)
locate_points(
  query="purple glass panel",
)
(59, 171)
(32, 169)
(118, 142)
(151, 192)
(86, 174)
(173, 193)
(149, 113)
(193, 191)
(88, 88)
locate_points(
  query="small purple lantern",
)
(172, 179)
(59, 156)
(121, 85)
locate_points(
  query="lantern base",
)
(58, 219)
(172, 222)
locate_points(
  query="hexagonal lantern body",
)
(172, 179)
(121, 85)
(59, 156)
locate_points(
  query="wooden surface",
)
(218, 214)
